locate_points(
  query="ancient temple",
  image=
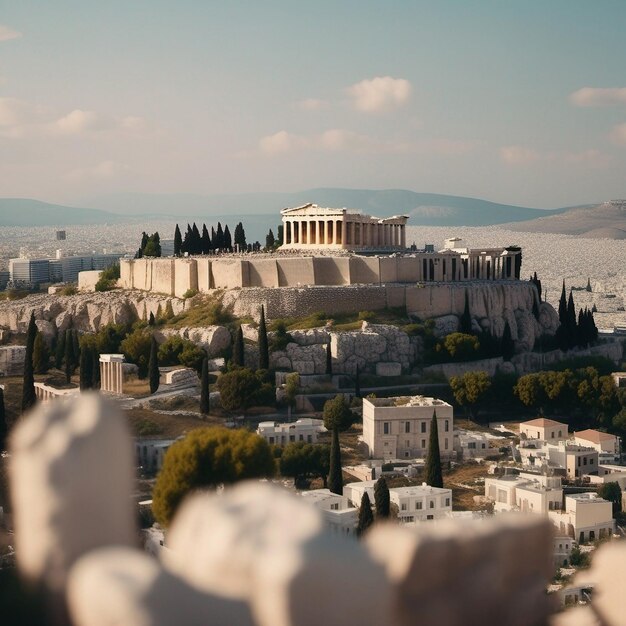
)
(313, 227)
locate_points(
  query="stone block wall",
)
(185, 276)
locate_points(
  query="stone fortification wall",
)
(168, 276)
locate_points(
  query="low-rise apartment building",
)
(577, 460)
(471, 444)
(526, 492)
(543, 428)
(399, 428)
(339, 515)
(563, 546)
(151, 452)
(415, 504)
(304, 429)
(607, 445)
(585, 517)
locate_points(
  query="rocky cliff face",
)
(85, 312)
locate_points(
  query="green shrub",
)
(69, 290)
(208, 457)
(366, 316)
(190, 293)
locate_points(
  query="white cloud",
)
(7, 33)
(105, 170)
(594, 97)
(618, 134)
(312, 104)
(19, 119)
(518, 155)
(379, 94)
(333, 140)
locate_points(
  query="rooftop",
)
(407, 401)
(595, 436)
(542, 422)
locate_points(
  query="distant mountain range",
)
(601, 221)
(26, 212)
(424, 209)
(261, 210)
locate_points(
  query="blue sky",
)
(517, 102)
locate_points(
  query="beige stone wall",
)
(263, 273)
(185, 276)
(295, 271)
(204, 274)
(87, 280)
(229, 273)
(162, 275)
(388, 270)
(127, 268)
(408, 269)
(364, 270)
(332, 271)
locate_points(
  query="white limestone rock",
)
(265, 545)
(444, 571)
(250, 332)
(214, 339)
(71, 471)
(118, 586)
(47, 329)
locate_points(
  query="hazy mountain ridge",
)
(602, 221)
(28, 212)
(423, 208)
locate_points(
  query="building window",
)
(418, 506)
(404, 507)
(483, 446)
(430, 517)
(423, 427)
(406, 455)
(301, 438)
(552, 435)
(447, 501)
(560, 435)
(447, 426)
(590, 461)
(431, 504)
(334, 507)
(423, 443)
(471, 445)
(292, 437)
(309, 439)
(271, 439)
(407, 427)
(585, 461)
(385, 428)
(445, 444)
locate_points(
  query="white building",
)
(399, 428)
(563, 550)
(311, 226)
(470, 444)
(578, 461)
(542, 428)
(30, 271)
(607, 445)
(415, 504)
(340, 516)
(304, 429)
(585, 517)
(529, 493)
(45, 393)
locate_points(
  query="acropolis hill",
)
(336, 260)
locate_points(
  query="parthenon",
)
(313, 227)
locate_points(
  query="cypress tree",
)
(264, 351)
(329, 360)
(204, 388)
(205, 242)
(335, 478)
(85, 369)
(581, 336)
(238, 349)
(381, 498)
(563, 307)
(228, 240)
(169, 311)
(4, 427)
(357, 382)
(213, 239)
(280, 233)
(60, 351)
(588, 287)
(572, 328)
(76, 348)
(270, 240)
(434, 477)
(151, 320)
(219, 236)
(144, 242)
(178, 242)
(69, 356)
(153, 365)
(508, 345)
(366, 517)
(95, 369)
(465, 321)
(41, 356)
(196, 245)
(28, 389)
